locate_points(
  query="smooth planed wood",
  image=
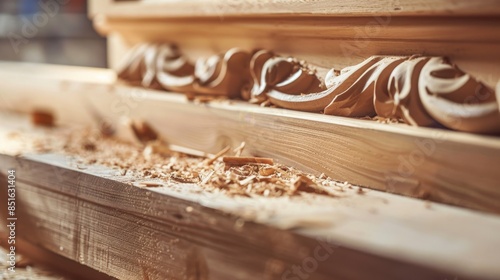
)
(325, 43)
(85, 213)
(439, 165)
(102, 219)
(326, 34)
(221, 8)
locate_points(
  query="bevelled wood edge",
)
(289, 8)
(130, 232)
(443, 166)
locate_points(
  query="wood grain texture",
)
(220, 8)
(437, 29)
(327, 34)
(444, 166)
(325, 43)
(88, 215)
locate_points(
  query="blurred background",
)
(49, 31)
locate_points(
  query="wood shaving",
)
(231, 175)
(239, 149)
(218, 155)
(267, 171)
(383, 120)
(148, 184)
(42, 118)
(143, 131)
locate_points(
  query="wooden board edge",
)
(432, 164)
(221, 9)
(95, 243)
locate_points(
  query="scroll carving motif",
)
(421, 90)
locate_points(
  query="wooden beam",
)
(324, 43)
(87, 214)
(439, 165)
(220, 8)
(327, 34)
(436, 29)
(103, 219)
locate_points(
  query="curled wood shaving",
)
(266, 171)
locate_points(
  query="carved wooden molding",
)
(420, 90)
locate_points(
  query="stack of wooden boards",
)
(91, 216)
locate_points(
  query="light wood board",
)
(89, 214)
(324, 42)
(444, 166)
(328, 34)
(221, 8)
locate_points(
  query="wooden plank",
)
(89, 214)
(220, 8)
(77, 208)
(325, 43)
(340, 36)
(437, 29)
(439, 165)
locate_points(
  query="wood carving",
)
(163, 66)
(420, 90)
(285, 75)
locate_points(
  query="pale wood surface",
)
(133, 233)
(326, 43)
(221, 8)
(445, 166)
(88, 214)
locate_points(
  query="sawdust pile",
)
(26, 269)
(225, 172)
